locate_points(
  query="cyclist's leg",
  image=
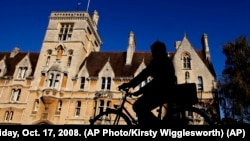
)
(143, 107)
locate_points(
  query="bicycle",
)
(180, 114)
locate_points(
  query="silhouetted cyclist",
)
(155, 92)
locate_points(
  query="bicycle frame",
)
(122, 109)
(175, 112)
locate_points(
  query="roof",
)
(12, 62)
(96, 60)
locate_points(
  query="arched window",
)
(69, 61)
(49, 52)
(47, 61)
(15, 95)
(200, 83)
(59, 52)
(186, 60)
(70, 53)
(8, 115)
(36, 105)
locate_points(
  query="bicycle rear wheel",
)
(188, 116)
(111, 117)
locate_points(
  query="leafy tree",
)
(235, 85)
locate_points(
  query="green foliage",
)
(237, 70)
(236, 78)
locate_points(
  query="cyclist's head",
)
(158, 49)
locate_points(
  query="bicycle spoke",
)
(111, 117)
(187, 116)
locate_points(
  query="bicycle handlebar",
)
(126, 91)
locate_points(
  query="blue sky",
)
(24, 22)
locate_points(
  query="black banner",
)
(86, 132)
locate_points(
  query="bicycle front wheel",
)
(111, 117)
(188, 116)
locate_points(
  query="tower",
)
(70, 37)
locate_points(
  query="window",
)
(186, 61)
(187, 76)
(65, 32)
(47, 61)
(42, 80)
(53, 80)
(21, 72)
(200, 83)
(36, 105)
(89, 31)
(8, 115)
(82, 83)
(57, 80)
(59, 52)
(15, 95)
(49, 52)
(69, 61)
(106, 83)
(108, 104)
(78, 108)
(101, 106)
(59, 105)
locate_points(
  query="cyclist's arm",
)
(143, 75)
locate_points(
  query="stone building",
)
(70, 80)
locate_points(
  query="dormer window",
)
(82, 83)
(106, 83)
(21, 72)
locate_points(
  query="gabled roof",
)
(96, 60)
(12, 62)
(206, 62)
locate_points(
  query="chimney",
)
(205, 47)
(131, 48)
(14, 52)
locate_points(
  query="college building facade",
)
(70, 80)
